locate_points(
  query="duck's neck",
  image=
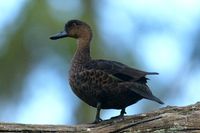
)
(82, 54)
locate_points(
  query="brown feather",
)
(102, 83)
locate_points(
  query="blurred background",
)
(154, 35)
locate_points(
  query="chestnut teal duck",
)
(103, 84)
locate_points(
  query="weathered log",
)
(167, 119)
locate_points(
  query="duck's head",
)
(75, 29)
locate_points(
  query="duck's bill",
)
(59, 35)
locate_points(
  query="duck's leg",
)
(123, 111)
(98, 119)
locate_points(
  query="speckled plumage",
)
(103, 84)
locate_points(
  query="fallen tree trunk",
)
(167, 119)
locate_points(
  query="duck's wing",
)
(119, 70)
(141, 89)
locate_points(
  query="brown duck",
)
(103, 84)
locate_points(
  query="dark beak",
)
(59, 35)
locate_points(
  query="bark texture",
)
(167, 119)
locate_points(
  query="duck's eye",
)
(74, 24)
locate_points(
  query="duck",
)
(103, 84)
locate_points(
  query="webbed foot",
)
(97, 120)
(121, 114)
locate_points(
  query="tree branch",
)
(168, 119)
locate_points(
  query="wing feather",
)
(119, 70)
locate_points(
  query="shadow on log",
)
(167, 119)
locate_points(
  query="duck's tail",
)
(155, 99)
(152, 73)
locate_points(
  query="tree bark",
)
(167, 119)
